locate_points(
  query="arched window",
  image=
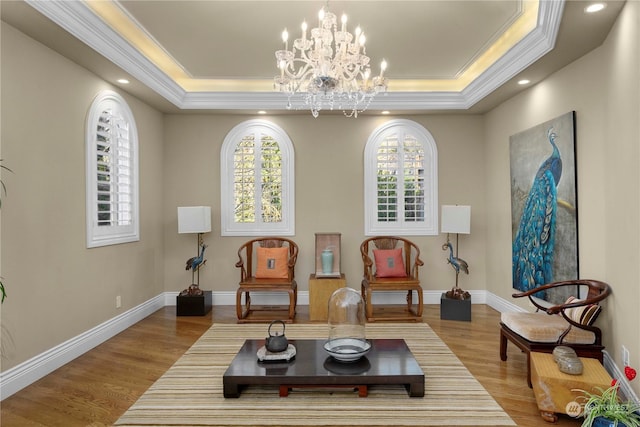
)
(112, 172)
(401, 180)
(257, 181)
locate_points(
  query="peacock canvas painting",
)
(544, 214)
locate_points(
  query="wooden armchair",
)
(266, 265)
(391, 264)
(569, 324)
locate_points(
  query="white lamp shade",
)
(194, 219)
(456, 219)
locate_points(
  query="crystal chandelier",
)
(329, 70)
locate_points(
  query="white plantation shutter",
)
(112, 172)
(413, 167)
(257, 181)
(270, 180)
(401, 185)
(244, 179)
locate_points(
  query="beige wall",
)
(329, 154)
(57, 288)
(603, 89)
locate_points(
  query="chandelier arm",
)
(351, 75)
(301, 74)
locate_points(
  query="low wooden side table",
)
(320, 290)
(552, 388)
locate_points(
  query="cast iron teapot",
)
(276, 343)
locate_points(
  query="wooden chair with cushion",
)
(266, 265)
(569, 324)
(391, 264)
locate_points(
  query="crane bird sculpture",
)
(458, 265)
(194, 265)
(533, 245)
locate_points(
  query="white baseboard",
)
(615, 372)
(502, 305)
(26, 373)
(276, 298)
(15, 379)
(229, 298)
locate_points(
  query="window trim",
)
(227, 225)
(429, 227)
(111, 235)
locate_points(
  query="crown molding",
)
(79, 20)
(531, 48)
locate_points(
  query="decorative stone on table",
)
(567, 360)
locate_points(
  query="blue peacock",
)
(533, 245)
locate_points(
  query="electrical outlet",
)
(625, 356)
(118, 301)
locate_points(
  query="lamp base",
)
(193, 290)
(194, 305)
(455, 309)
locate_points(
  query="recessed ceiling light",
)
(262, 112)
(524, 82)
(595, 7)
(123, 81)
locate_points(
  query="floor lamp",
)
(456, 219)
(195, 219)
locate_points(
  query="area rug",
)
(190, 392)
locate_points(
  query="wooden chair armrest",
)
(240, 265)
(366, 261)
(562, 307)
(537, 289)
(598, 290)
(368, 266)
(415, 268)
(292, 260)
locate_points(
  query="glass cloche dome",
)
(347, 341)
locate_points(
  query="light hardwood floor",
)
(98, 387)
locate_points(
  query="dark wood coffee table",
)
(388, 362)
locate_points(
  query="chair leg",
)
(503, 345)
(419, 306)
(239, 303)
(239, 309)
(529, 370)
(366, 296)
(292, 304)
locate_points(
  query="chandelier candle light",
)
(329, 70)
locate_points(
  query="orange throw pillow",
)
(272, 263)
(389, 263)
